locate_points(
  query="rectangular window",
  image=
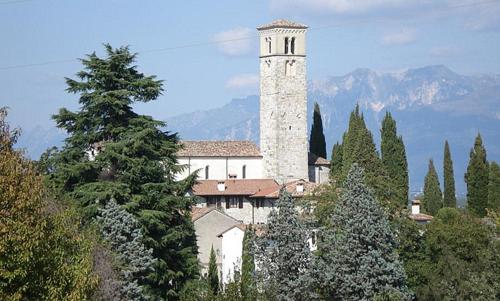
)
(234, 202)
(214, 201)
(260, 203)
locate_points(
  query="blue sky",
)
(383, 35)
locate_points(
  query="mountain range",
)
(430, 104)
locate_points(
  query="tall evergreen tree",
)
(358, 258)
(284, 255)
(213, 274)
(433, 197)
(449, 199)
(476, 179)
(494, 187)
(113, 152)
(336, 162)
(247, 280)
(121, 230)
(358, 147)
(394, 159)
(317, 143)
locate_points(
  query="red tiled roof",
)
(421, 217)
(197, 212)
(219, 149)
(233, 187)
(291, 187)
(316, 160)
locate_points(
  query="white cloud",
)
(247, 81)
(443, 51)
(401, 37)
(236, 41)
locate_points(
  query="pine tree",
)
(476, 179)
(494, 187)
(394, 159)
(247, 280)
(449, 199)
(284, 255)
(336, 162)
(121, 230)
(433, 198)
(358, 258)
(213, 274)
(317, 144)
(113, 152)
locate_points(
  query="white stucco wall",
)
(232, 248)
(221, 167)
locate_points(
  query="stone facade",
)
(283, 102)
(252, 211)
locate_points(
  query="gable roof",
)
(199, 212)
(282, 23)
(316, 160)
(233, 187)
(242, 148)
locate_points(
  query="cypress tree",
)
(394, 159)
(284, 255)
(113, 152)
(433, 198)
(449, 199)
(317, 144)
(494, 187)
(336, 162)
(476, 179)
(358, 258)
(213, 274)
(247, 284)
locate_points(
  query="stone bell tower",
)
(283, 101)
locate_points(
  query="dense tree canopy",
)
(449, 198)
(476, 178)
(433, 197)
(494, 187)
(394, 160)
(317, 143)
(113, 152)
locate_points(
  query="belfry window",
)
(286, 45)
(292, 45)
(206, 172)
(244, 172)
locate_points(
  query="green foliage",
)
(433, 198)
(213, 273)
(461, 259)
(494, 187)
(113, 152)
(44, 254)
(476, 179)
(283, 254)
(317, 143)
(394, 159)
(449, 198)
(248, 287)
(358, 258)
(121, 230)
(336, 163)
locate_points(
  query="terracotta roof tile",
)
(197, 212)
(233, 186)
(273, 192)
(421, 217)
(242, 148)
(316, 160)
(282, 23)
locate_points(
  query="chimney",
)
(300, 187)
(415, 207)
(221, 186)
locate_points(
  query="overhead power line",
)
(215, 42)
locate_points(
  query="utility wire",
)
(215, 42)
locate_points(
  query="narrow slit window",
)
(269, 45)
(286, 45)
(292, 45)
(207, 172)
(244, 172)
